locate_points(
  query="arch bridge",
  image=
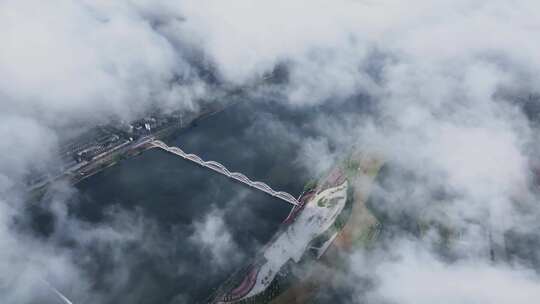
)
(219, 168)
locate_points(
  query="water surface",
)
(180, 196)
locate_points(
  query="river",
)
(179, 195)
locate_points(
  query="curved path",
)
(221, 169)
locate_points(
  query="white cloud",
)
(417, 276)
(213, 235)
(442, 68)
(75, 60)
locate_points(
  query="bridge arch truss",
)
(219, 168)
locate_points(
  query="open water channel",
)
(186, 204)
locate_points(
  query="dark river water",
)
(178, 196)
(159, 229)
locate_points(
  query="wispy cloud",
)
(446, 83)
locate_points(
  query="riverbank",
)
(359, 231)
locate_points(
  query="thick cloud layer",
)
(447, 84)
(413, 275)
(76, 60)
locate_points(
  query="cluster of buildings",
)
(102, 145)
(104, 139)
(92, 145)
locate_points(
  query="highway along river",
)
(198, 226)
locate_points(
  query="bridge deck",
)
(219, 168)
